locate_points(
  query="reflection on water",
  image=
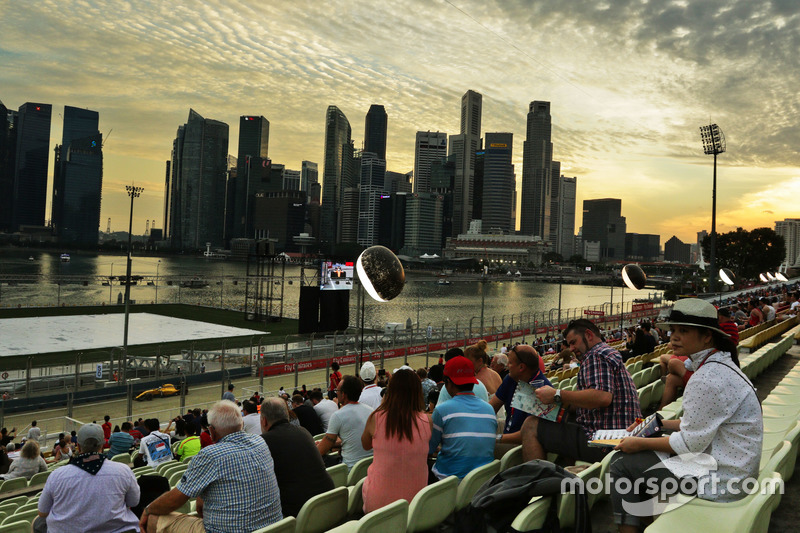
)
(425, 302)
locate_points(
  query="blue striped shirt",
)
(466, 427)
(236, 479)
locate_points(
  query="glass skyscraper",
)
(498, 183)
(31, 161)
(251, 162)
(336, 173)
(375, 128)
(537, 159)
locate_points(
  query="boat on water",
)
(443, 281)
(195, 283)
(64, 258)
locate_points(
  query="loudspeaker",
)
(308, 317)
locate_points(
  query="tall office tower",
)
(291, 180)
(642, 247)
(537, 157)
(199, 171)
(676, 250)
(423, 224)
(373, 170)
(351, 177)
(337, 141)
(464, 147)
(604, 223)
(7, 143)
(251, 161)
(78, 178)
(397, 182)
(443, 178)
(309, 174)
(29, 192)
(392, 221)
(168, 196)
(565, 223)
(477, 186)
(430, 146)
(498, 183)
(789, 229)
(555, 185)
(375, 131)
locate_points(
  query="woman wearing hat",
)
(717, 442)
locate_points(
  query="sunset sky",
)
(629, 81)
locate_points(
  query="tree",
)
(747, 253)
(552, 257)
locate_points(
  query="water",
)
(422, 300)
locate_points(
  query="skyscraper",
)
(423, 227)
(251, 161)
(603, 222)
(375, 131)
(199, 170)
(537, 157)
(7, 148)
(430, 146)
(464, 147)
(78, 178)
(498, 182)
(565, 222)
(31, 161)
(371, 187)
(337, 141)
(309, 175)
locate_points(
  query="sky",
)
(630, 82)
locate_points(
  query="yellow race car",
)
(167, 389)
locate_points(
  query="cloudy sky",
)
(629, 81)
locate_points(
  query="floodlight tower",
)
(133, 192)
(713, 143)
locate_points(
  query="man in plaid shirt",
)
(222, 477)
(606, 398)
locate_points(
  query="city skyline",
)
(629, 86)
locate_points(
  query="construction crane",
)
(105, 138)
(108, 227)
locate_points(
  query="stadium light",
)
(634, 278)
(133, 192)
(713, 143)
(780, 277)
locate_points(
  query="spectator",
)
(335, 378)
(107, 427)
(605, 398)
(652, 337)
(179, 433)
(228, 395)
(34, 433)
(91, 493)
(121, 442)
(6, 437)
(222, 477)
(323, 407)
(727, 325)
(756, 316)
(523, 366)
(479, 390)
(427, 384)
(251, 420)
(205, 433)
(191, 445)
(347, 424)
(63, 450)
(371, 395)
(465, 426)
(299, 468)
(477, 355)
(398, 432)
(5, 461)
(155, 447)
(306, 415)
(28, 463)
(500, 364)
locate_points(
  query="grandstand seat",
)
(8, 507)
(319, 437)
(432, 505)
(3, 516)
(39, 478)
(793, 436)
(473, 481)
(20, 526)
(287, 525)
(134, 455)
(513, 457)
(605, 464)
(392, 517)
(338, 474)
(20, 516)
(13, 484)
(355, 498)
(637, 366)
(638, 378)
(323, 512)
(359, 471)
(187, 460)
(174, 477)
(645, 397)
(122, 458)
(164, 466)
(19, 500)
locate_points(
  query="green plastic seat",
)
(39, 478)
(19, 500)
(20, 516)
(359, 471)
(338, 474)
(387, 519)
(188, 459)
(32, 504)
(512, 457)
(20, 526)
(432, 505)
(473, 481)
(287, 525)
(122, 458)
(355, 498)
(9, 507)
(13, 484)
(174, 477)
(793, 436)
(323, 512)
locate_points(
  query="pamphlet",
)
(525, 400)
(649, 427)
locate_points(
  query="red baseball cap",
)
(460, 370)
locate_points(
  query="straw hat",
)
(693, 312)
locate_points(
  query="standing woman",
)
(336, 377)
(721, 420)
(399, 432)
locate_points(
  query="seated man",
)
(251, 420)
(299, 468)
(347, 424)
(233, 481)
(306, 415)
(479, 390)
(155, 447)
(605, 398)
(91, 493)
(189, 446)
(371, 394)
(120, 441)
(465, 426)
(323, 407)
(523, 365)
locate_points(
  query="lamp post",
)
(110, 283)
(133, 192)
(382, 276)
(634, 278)
(157, 265)
(713, 143)
(728, 278)
(483, 294)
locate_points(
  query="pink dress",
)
(400, 468)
